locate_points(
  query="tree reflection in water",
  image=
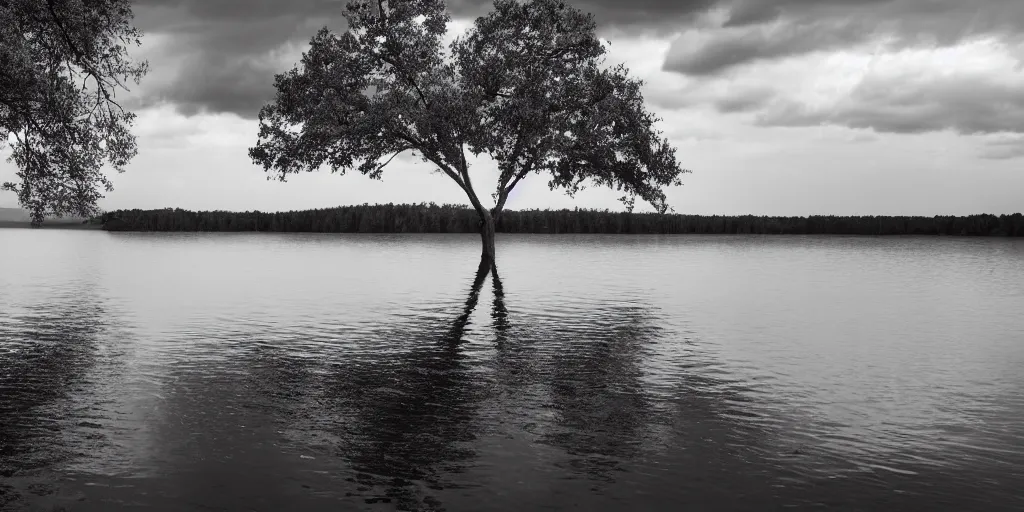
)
(416, 420)
(604, 411)
(410, 416)
(47, 351)
(587, 404)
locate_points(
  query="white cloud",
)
(973, 88)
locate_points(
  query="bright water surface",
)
(167, 371)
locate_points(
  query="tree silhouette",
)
(423, 218)
(524, 85)
(61, 64)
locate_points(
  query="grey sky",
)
(779, 106)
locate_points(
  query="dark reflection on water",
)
(411, 417)
(40, 367)
(488, 400)
(50, 413)
(602, 409)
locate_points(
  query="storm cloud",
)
(730, 46)
(744, 100)
(890, 66)
(221, 55)
(763, 30)
(966, 103)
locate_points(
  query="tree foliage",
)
(61, 64)
(525, 85)
(432, 218)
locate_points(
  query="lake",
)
(203, 371)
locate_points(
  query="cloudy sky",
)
(780, 107)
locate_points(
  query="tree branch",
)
(505, 191)
(29, 118)
(522, 174)
(514, 157)
(464, 170)
(431, 155)
(400, 151)
(86, 65)
(408, 78)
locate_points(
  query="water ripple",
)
(740, 372)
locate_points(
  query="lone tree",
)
(61, 63)
(524, 85)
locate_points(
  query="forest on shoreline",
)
(432, 218)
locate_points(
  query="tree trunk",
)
(487, 237)
(487, 217)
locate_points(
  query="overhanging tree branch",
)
(73, 131)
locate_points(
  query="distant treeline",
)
(431, 218)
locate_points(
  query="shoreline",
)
(432, 218)
(10, 224)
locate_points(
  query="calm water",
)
(375, 372)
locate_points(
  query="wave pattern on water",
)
(709, 373)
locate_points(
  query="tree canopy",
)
(61, 65)
(525, 85)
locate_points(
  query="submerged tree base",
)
(431, 218)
